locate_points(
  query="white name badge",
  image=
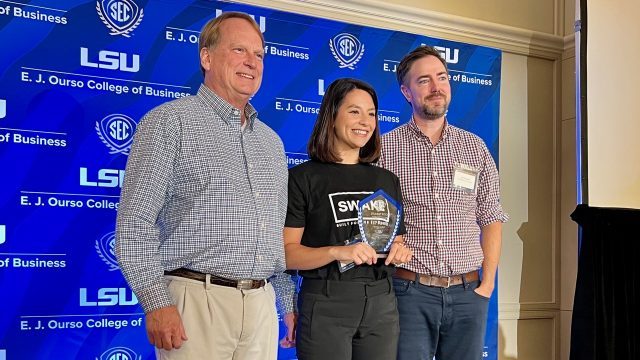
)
(465, 178)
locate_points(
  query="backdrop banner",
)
(75, 78)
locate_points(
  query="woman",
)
(342, 314)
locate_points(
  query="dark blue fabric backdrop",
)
(75, 78)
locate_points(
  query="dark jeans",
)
(448, 323)
(342, 320)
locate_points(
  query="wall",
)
(612, 115)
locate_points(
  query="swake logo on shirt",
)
(377, 205)
(345, 205)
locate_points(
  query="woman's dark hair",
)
(321, 145)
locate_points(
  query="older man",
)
(199, 230)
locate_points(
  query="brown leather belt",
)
(244, 284)
(437, 281)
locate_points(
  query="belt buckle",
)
(448, 282)
(244, 284)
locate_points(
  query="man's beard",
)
(434, 112)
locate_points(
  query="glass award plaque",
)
(379, 218)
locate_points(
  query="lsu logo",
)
(116, 132)
(347, 50)
(109, 178)
(120, 16)
(106, 249)
(111, 60)
(109, 297)
(262, 21)
(119, 353)
(449, 55)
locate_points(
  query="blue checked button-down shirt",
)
(204, 194)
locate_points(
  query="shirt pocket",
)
(460, 200)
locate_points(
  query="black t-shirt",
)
(323, 199)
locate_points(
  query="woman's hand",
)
(359, 253)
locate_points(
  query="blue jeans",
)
(448, 323)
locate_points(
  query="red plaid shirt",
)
(443, 223)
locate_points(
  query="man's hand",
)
(398, 254)
(289, 340)
(484, 290)
(165, 329)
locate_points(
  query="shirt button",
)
(259, 257)
(236, 112)
(435, 173)
(439, 217)
(436, 195)
(257, 194)
(439, 242)
(433, 151)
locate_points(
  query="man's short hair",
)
(321, 145)
(416, 54)
(210, 34)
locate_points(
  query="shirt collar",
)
(226, 111)
(413, 127)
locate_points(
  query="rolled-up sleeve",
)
(489, 209)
